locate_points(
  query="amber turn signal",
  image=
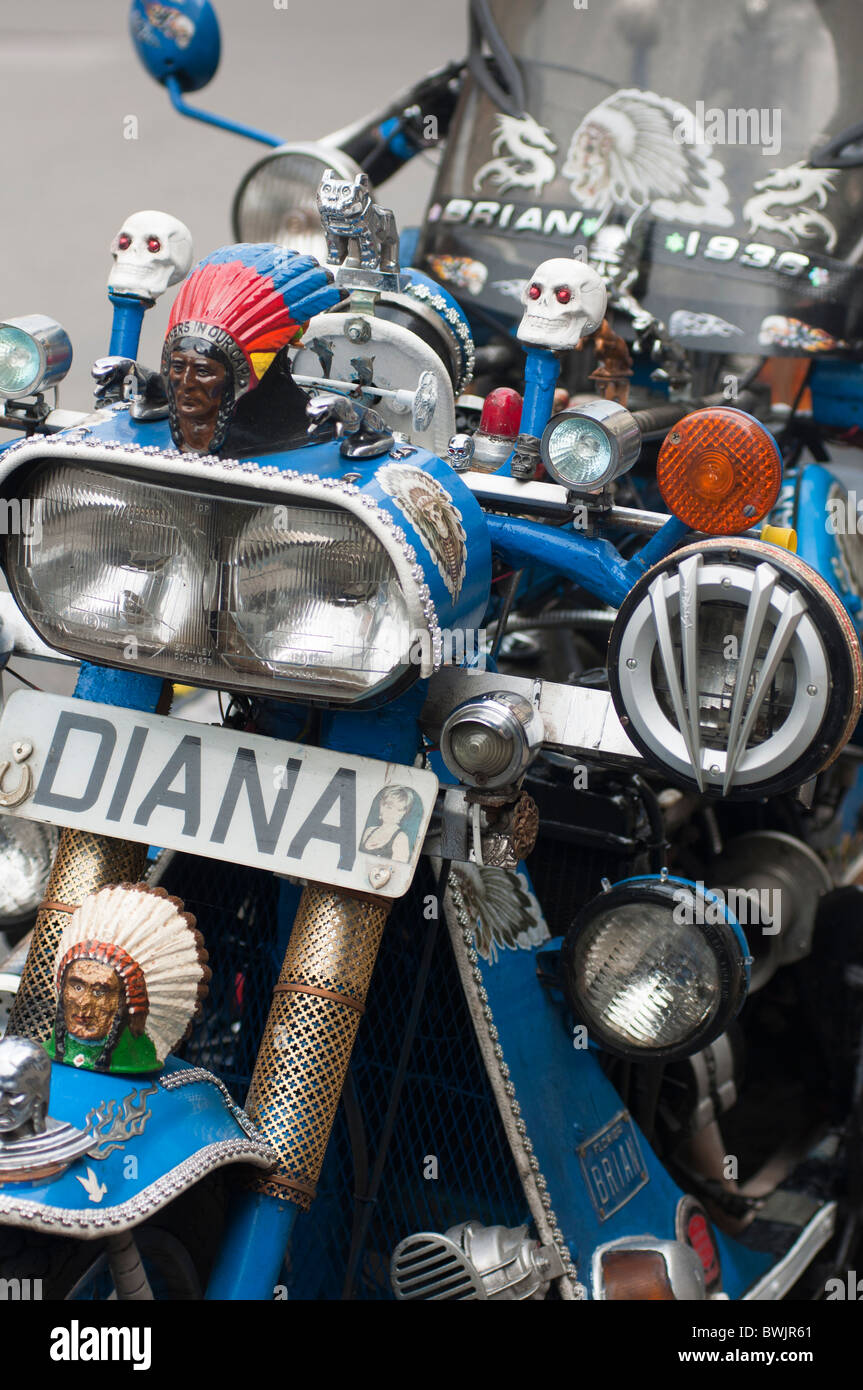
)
(636, 1276)
(719, 470)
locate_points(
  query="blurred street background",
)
(69, 81)
(69, 78)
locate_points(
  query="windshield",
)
(685, 124)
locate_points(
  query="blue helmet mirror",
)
(180, 40)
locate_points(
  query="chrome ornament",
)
(20, 753)
(735, 667)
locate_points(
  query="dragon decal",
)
(779, 203)
(522, 150)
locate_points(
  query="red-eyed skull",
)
(151, 251)
(563, 301)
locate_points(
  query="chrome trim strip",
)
(775, 1284)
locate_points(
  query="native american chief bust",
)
(130, 974)
(233, 316)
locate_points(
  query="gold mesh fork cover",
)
(306, 1048)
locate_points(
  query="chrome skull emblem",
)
(151, 251)
(563, 301)
(609, 251)
(25, 1080)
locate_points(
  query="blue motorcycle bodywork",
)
(188, 1130)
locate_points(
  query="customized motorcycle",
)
(527, 1095)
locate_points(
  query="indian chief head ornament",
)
(130, 974)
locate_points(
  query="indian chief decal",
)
(627, 155)
(432, 513)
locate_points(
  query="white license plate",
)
(350, 822)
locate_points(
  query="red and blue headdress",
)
(241, 305)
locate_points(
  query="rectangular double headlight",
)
(278, 598)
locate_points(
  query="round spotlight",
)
(277, 199)
(655, 968)
(35, 354)
(589, 446)
(719, 470)
(492, 740)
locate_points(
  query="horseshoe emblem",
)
(20, 753)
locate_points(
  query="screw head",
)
(631, 663)
(358, 330)
(812, 690)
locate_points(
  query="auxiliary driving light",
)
(492, 740)
(35, 354)
(589, 446)
(719, 470)
(277, 198)
(655, 967)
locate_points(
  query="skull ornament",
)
(563, 301)
(151, 251)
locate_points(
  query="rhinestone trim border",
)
(516, 1129)
(91, 1224)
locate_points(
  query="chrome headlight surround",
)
(514, 730)
(610, 426)
(231, 483)
(712, 968)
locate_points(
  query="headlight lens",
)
(312, 593)
(35, 353)
(589, 446)
(282, 599)
(655, 968)
(277, 199)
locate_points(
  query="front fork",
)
(299, 1074)
(306, 1047)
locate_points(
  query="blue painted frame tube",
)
(595, 564)
(175, 92)
(253, 1247)
(541, 371)
(129, 311)
(125, 689)
(660, 544)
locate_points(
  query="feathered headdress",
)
(242, 304)
(153, 945)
